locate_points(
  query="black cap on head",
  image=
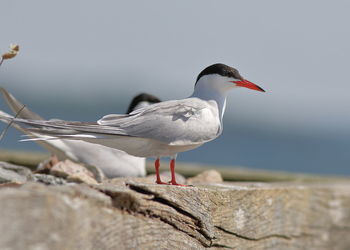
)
(143, 97)
(220, 69)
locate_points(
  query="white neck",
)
(212, 88)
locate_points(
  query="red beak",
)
(248, 84)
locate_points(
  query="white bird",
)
(113, 162)
(160, 130)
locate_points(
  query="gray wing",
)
(60, 127)
(188, 121)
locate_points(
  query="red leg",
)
(157, 165)
(172, 170)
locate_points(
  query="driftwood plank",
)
(147, 216)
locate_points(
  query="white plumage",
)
(161, 129)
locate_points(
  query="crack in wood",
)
(203, 243)
(281, 236)
(197, 223)
(119, 198)
(222, 246)
(159, 199)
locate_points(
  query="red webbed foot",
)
(161, 182)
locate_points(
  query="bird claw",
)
(174, 183)
(162, 183)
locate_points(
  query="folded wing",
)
(188, 121)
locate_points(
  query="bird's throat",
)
(207, 93)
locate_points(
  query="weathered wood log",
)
(130, 215)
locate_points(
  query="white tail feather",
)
(57, 137)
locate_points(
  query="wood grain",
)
(134, 215)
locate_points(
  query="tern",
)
(112, 162)
(162, 129)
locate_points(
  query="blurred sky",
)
(83, 59)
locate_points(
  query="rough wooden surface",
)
(286, 211)
(130, 215)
